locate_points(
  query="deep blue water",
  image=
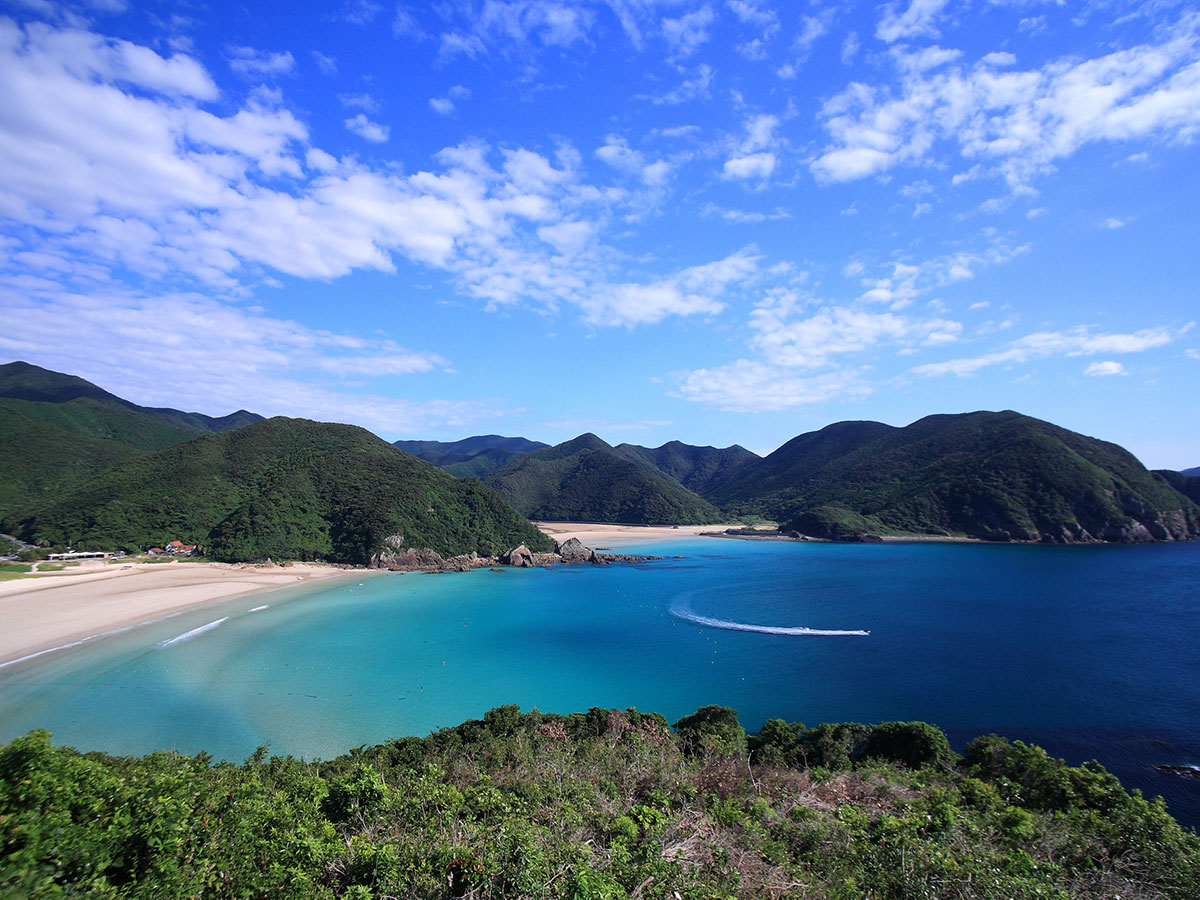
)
(1093, 652)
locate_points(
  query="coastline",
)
(54, 611)
(600, 537)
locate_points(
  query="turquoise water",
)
(1091, 651)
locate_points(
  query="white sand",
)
(52, 610)
(598, 536)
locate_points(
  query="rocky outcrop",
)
(519, 557)
(574, 551)
(409, 560)
(394, 557)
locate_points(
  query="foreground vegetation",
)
(608, 804)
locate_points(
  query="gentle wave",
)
(683, 613)
(188, 635)
(257, 608)
(86, 640)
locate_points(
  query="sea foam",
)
(682, 612)
(188, 635)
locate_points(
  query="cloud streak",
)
(1017, 122)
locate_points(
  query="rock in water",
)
(574, 551)
(518, 556)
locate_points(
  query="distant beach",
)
(597, 536)
(46, 612)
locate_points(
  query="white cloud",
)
(360, 12)
(751, 386)
(199, 353)
(685, 34)
(850, 48)
(251, 63)
(1112, 224)
(917, 20)
(787, 334)
(365, 102)
(755, 165)
(1078, 341)
(805, 350)
(697, 86)
(102, 178)
(753, 159)
(445, 105)
(1017, 122)
(751, 13)
(325, 63)
(746, 217)
(368, 130)
(1105, 368)
(692, 291)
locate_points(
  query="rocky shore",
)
(398, 558)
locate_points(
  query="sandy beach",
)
(49, 611)
(613, 536)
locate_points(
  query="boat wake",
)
(188, 635)
(682, 612)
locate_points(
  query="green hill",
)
(586, 480)
(699, 469)
(23, 381)
(1188, 485)
(58, 430)
(41, 459)
(472, 457)
(794, 462)
(281, 488)
(993, 475)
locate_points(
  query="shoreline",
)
(56, 611)
(599, 536)
(589, 533)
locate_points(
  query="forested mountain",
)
(39, 458)
(472, 457)
(587, 480)
(281, 488)
(22, 381)
(794, 462)
(699, 469)
(1191, 473)
(58, 430)
(1188, 485)
(993, 475)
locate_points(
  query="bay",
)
(1089, 651)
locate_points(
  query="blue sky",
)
(720, 222)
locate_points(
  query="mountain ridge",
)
(991, 475)
(586, 479)
(281, 488)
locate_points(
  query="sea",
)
(1092, 652)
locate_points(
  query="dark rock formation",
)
(519, 557)
(574, 551)
(396, 558)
